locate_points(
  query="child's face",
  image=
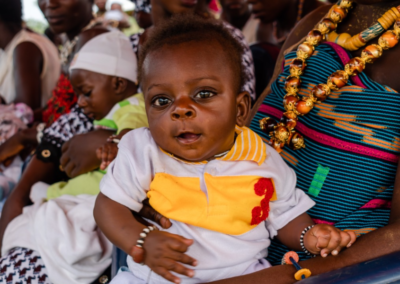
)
(96, 95)
(191, 99)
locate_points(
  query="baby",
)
(104, 77)
(226, 192)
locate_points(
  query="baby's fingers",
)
(353, 238)
(104, 157)
(182, 258)
(180, 244)
(333, 241)
(99, 152)
(345, 239)
(172, 265)
(163, 272)
(112, 153)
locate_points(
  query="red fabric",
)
(61, 101)
(214, 6)
(265, 187)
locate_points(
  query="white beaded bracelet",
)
(302, 240)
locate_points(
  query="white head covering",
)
(110, 53)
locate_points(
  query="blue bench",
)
(385, 269)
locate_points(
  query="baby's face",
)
(191, 99)
(96, 95)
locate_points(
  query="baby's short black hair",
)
(11, 12)
(186, 28)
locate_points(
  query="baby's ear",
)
(243, 103)
(119, 84)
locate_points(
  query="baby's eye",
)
(204, 95)
(87, 94)
(161, 101)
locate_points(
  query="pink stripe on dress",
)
(318, 221)
(377, 203)
(345, 58)
(334, 142)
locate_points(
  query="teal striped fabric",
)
(352, 146)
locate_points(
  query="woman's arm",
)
(28, 65)
(372, 245)
(79, 153)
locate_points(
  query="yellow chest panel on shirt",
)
(235, 204)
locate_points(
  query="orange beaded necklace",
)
(283, 133)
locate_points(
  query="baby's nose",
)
(182, 114)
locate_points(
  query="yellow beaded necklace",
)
(283, 133)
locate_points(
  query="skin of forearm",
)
(117, 223)
(290, 234)
(372, 245)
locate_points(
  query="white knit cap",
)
(110, 53)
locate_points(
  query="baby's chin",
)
(192, 156)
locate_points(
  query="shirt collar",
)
(248, 147)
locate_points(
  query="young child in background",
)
(104, 76)
(225, 191)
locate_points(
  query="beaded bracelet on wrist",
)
(302, 240)
(282, 133)
(137, 251)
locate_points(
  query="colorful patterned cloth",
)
(352, 145)
(23, 265)
(61, 101)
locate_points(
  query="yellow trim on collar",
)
(248, 147)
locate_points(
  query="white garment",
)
(219, 255)
(66, 236)
(250, 30)
(51, 66)
(127, 277)
(110, 54)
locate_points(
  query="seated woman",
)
(29, 64)
(109, 96)
(350, 161)
(278, 18)
(29, 69)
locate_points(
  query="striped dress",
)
(352, 144)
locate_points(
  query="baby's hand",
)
(165, 252)
(325, 239)
(107, 154)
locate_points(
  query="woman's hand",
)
(165, 252)
(79, 153)
(325, 239)
(17, 143)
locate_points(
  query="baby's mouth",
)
(188, 137)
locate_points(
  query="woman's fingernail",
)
(335, 252)
(177, 281)
(349, 245)
(194, 263)
(191, 273)
(324, 255)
